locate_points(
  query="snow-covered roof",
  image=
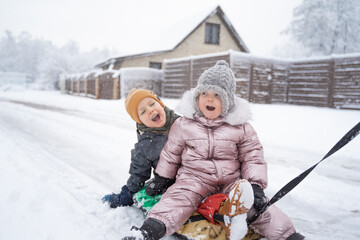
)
(179, 32)
(233, 54)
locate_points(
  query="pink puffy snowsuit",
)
(207, 157)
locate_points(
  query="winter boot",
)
(152, 229)
(296, 236)
(235, 208)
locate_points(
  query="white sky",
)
(129, 26)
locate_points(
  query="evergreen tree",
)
(327, 26)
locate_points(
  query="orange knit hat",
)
(134, 98)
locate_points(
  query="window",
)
(156, 65)
(212, 33)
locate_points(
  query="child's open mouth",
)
(155, 118)
(210, 108)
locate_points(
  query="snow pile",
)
(147, 78)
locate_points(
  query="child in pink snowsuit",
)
(209, 150)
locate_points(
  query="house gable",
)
(191, 45)
(194, 44)
(218, 16)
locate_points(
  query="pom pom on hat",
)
(220, 79)
(134, 98)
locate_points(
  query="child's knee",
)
(274, 224)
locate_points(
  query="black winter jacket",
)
(145, 156)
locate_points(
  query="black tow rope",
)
(293, 183)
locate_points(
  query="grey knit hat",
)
(220, 79)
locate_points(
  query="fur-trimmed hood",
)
(239, 115)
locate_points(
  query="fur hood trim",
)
(239, 115)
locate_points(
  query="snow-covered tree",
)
(8, 52)
(43, 60)
(327, 26)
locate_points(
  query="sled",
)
(196, 227)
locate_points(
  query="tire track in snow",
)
(94, 116)
(77, 142)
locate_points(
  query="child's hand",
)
(112, 199)
(106, 198)
(158, 186)
(119, 200)
(259, 197)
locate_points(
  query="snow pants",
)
(273, 224)
(184, 197)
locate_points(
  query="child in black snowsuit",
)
(153, 121)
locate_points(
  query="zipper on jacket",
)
(211, 143)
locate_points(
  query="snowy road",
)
(54, 174)
(60, 154)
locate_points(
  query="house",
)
(213, 34)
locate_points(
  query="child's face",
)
(210, 104)
(151, 113)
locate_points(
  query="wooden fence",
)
(327, 82)
(100, 86)
(331, 82)
(107, 84)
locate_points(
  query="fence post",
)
(120, 87)
(250, 90)
(287, 88)
(330, 99)
(116, 88)
(97, 87)
(190, 83)
(270, 84)
(78, 87)
(86, 86)
(72, 86)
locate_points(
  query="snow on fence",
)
(330, 81)
(113, 84)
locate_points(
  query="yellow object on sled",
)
(203, 229)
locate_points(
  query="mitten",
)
(159, 185)
(259, 197)
(124, 198)
(112, 199)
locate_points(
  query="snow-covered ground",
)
(59, 154)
